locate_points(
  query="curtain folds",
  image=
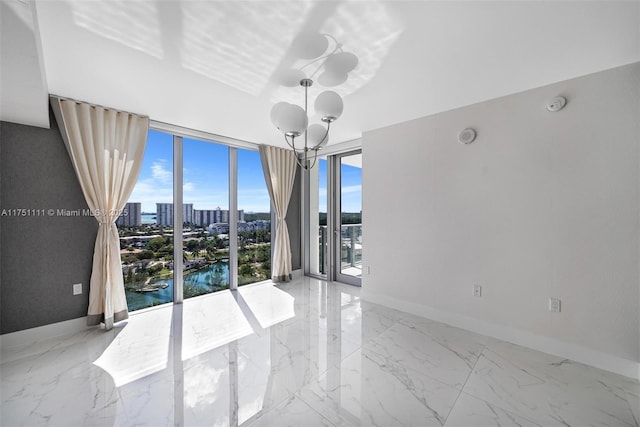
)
(106, 148)
(279, 167)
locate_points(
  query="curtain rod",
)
(64, 98)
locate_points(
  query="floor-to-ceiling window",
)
(214, 176)
(146, 228)
(205, 237)
(254, 220)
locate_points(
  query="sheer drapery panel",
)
(279, 167)
(106, 149)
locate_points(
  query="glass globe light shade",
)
(316, 136)
(330, 79)
(292, 120)
(309, 45)
(323, 142)
(329, 105)
(341, 62)
(276, 113)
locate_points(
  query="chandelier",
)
(334, 65)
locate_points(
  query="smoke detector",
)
(467, 136)
(556, 103)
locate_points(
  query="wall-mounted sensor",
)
(467, 136)
(556, 103)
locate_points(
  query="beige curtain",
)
(279, 166)
(106, 148)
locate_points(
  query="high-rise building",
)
(131, 215)
(164, 214)
(218, 215)
(204, 218)
(187, 213)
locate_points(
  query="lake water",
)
(148, 218)
(208, 279)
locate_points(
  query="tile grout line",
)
(297, 395)
(465, 383)
(633, 414)
(508, 411)
(395, 322)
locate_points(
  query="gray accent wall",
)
(294, 223)
(44, 253)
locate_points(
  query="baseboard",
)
(29, 337)
(597, 359)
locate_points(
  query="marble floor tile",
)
(59, 387)
(211, 321)
(471, 411)
(291, 413)
(367, 389)
(267, 303)
(445, 353)
(149, 401)
(94, 336)
(365, 321)
(299, 353)
(548, 389)
(208, 389)
(304, 353)
(633, 397)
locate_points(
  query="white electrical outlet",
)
(477, 291)
(554, 305)
(77, 289)
(367, 270)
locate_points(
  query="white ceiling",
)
(23, 89)
(211, 65)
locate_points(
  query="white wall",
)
(540, 205)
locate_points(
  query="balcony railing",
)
(350, 248)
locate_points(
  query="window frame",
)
(179, 133)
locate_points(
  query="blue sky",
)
(351, 186)
(206, 177)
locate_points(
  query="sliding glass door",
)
(347, 215)
(318, 242)
(333, 224)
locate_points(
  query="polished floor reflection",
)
(305, 353)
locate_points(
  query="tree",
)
(146, 254)
(211, 249)
(193, 246)
(220, 244)
(263, 253)
(155, 244)
(129, 258)
(262, 236)
(247, 270)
